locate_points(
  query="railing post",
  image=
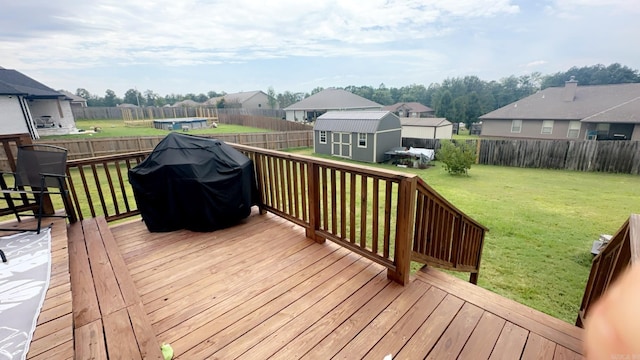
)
(404, 230)
(313, 187)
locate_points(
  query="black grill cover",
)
(193, 183)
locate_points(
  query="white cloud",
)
(197, 32)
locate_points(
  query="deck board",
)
(261, 289)
(291, 297)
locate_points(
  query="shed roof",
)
(424, 122)
(334, 99)
(350, 121)
(13, 82)
(619, 103)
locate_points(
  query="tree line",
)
(459, 99)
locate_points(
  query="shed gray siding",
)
(388, 122)
(359, 153)
(321, 148)
(387, 141)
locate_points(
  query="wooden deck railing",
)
(444, 236)
(360, 208)
(622, 250)
(389, 217)
(100, 186)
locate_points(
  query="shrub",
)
(457, 158)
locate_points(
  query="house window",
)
(516, 126)
(547, 127)
(574, 129)
(323, 137)
(362, 140)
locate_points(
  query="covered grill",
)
(193, 183)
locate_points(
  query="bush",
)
(457, 158)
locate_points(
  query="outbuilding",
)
(357, 135)
(426, 128)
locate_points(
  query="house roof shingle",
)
(334, 99)
(13, 82)
(425, 122)
(350, 121)
(619, 103)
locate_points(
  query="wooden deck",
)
(263, 290)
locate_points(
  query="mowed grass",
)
(542, 224)
(116, 128)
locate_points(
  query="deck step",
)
(109, 318)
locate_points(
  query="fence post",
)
(313, 188)
(404, 230)
(478, 151)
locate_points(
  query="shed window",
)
(547, 127)
(574, 129)
(516, 126)
(323, 137)
(362, 140)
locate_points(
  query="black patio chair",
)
(40, 171)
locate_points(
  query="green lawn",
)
(116, 128)
(542, 224)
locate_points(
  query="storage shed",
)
(357, 135)
(426, 128)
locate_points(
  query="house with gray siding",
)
(572, 112)
(28, 106)
(357, 135)
(328, 100)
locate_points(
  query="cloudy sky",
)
(194, 46)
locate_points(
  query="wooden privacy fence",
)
(579, 155)
(92, 147)
(601, 156)
(262, 122)
(621, 251)
(154, 112)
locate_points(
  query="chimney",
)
(570, 89)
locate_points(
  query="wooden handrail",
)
(622, 250)
(444, 236)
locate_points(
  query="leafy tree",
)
(593, 75)
(83, 93)
(110, 98)
(273, 102)
(132, 96)
(382, 95)
(473, 109)
(459, 110)
(316, 90)
(444, 108)
(457, 158)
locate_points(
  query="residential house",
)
(602, 112)
(331, 99)
(410, 110)
(75, 100)
(28, 106)
(357, 135)
(246, 100)
(426, 128)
